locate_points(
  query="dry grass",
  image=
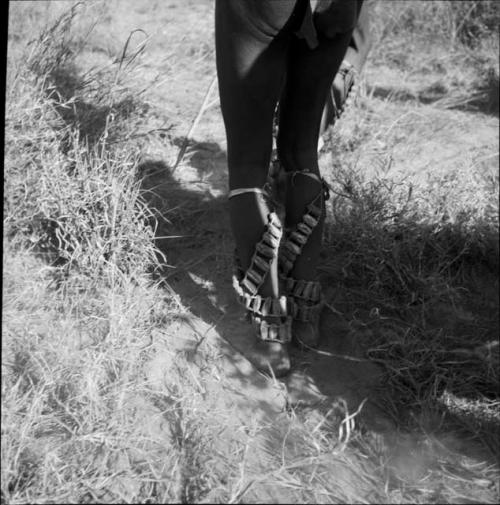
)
(79, 303)
(442, 53)
(412, 241)
(103, 401)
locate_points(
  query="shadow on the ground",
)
(207, 158)
(196, 239)
(88, 106)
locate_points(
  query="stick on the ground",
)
(194, 124)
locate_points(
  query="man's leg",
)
(251, 46)
(309, 77)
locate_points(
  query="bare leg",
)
(309, 77)
(251, 45)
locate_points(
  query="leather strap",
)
(242, 191)
(304, 172)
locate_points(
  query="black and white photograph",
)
(251, 252)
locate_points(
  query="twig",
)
(348, 421)
(202, 109)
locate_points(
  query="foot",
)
(299, 256)
(256, 284)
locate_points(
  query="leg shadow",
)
(195, 237)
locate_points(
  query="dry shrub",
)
(70, 180)
(78, 301)
(452, 23)
(413, 259)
